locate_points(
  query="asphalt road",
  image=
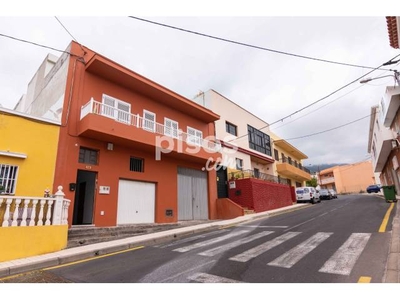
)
(332, 241)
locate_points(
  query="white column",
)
(48, 215)
(58, 207)
(25, 212)
(7, 213)
(33, 214)
(15, 215)
(40, 218)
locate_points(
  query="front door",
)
(84, 198)
(222, 182)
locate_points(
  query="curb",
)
(392, 274)
(15, 267)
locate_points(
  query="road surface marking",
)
(193, 238)
(208, 278)
(263, 226)
(289, 258)
(212, 241)
(364, 279)
(93, 258)
(344, 259)
(260, 249)
(309, 220)
(382, 228)
(189, 270)
(234, 244)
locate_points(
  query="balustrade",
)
(34, 211)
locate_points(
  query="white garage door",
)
(136, 202)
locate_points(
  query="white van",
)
(307, 194)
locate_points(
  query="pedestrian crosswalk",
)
(341, 262)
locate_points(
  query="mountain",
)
(317, 168)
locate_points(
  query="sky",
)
(270, 85)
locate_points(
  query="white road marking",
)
(193, 238)
(186, 271)
(260, 249)
(208, 278)
(263, 226)
(289, 258)
(234, 244)
(344, 259)
(212, 241)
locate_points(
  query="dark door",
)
(84, 198)
(222, 182)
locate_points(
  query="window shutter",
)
(108, 107)
(167, 127)
(124, 112)
(149, 119)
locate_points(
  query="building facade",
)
(130, 150)
(353, 178)
(249, 148)
(28, 148)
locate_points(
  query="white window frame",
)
(173, 129)
(149, 125)
(8, 183)
(196, 137)
(114, 111)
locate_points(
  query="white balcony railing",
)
(327, 180)
(98, 108)
(34, 211)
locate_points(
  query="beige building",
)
(249, 148)
(352, 178)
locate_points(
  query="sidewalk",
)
(22, 265)
(393, 263)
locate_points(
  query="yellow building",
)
(352, 178)
(28, 148)
(288, 163)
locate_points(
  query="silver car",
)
(333, 193)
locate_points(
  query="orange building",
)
(130, 150)
(352, 178)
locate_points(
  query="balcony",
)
(107, 123)
(327, 180)
(255, 174)
(390, 104)
(297, 173)
(383, 147)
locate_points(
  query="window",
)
(136, 164)
(283, 158)
(239, 164)
(194, 136)
(259, 140)
(230, 128)
(276, 153)
(88, 156)
(256, 173)
(8, 179)
(116, 109)
(289, 160)
(170, 128)
(149, 121)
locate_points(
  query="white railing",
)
(327, 180)
(34, 211)
(95, 107)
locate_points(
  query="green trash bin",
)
(389, 192)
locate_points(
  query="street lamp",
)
(396, 77)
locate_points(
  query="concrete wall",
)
(261, 195)
(38, 140)
(227, 209)
(21, 242)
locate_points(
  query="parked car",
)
(333, 193)
(307, 194)
(325, 194)
(374, 188)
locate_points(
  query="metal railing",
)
(295, 164)
(258, 175)
(98, 108)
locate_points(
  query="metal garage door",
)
(192, 195)
(136, 202)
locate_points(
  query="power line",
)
(253, 46)
(39, 45)
(66, 29)
(337, 127)
(315, 102)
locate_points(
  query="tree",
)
(313, 182)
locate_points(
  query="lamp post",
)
(396, 78)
